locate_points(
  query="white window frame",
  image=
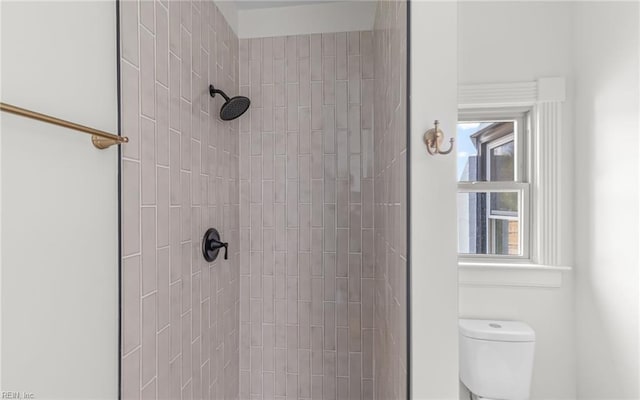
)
(545, 98)
(522, 133)
(523, 206)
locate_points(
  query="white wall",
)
(515, 42)
(606, 46)
(549, 312)
(434, 277)
(59, 262)
(341, 16)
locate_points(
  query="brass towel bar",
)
(100, 139)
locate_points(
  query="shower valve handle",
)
(211, 245)
(216, 245)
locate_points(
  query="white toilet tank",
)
(496, 358)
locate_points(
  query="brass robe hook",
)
(433, 139)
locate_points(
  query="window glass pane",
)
(505, 237)
(489, 223)
(467, 151)
(504, 203)
(471, 223)
(484, 151)
(501, 162)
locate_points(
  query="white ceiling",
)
(252, 5)
(309, 18)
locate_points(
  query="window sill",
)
(494, 274)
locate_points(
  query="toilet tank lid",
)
(495, 330)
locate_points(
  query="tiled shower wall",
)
(179, 177)
(306, 217)
(390, 41)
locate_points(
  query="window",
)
(493, 188)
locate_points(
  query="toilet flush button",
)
(493, 325)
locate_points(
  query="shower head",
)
(233, 107)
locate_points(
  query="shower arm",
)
(213, 91)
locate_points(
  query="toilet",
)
(496, 358)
